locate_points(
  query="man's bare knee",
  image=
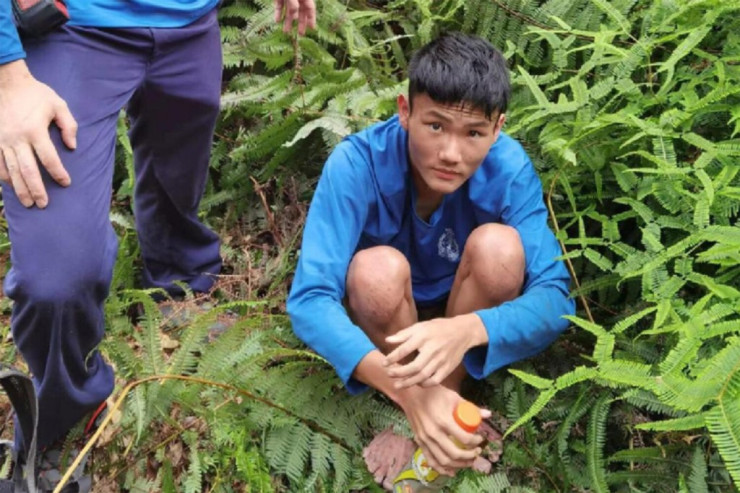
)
(378, 279)
(496, 258)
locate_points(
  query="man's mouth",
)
(445, 174)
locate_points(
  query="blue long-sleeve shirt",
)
(108, 13)
(365, 197)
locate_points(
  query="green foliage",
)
(595, 444)
(265, 418)
(630, 110)
(637, 133)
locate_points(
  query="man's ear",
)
(499, 125)
(403, 111)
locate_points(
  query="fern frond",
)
(494, 483)
(685, 423)
(595, 439)
(723, 422)
(533, 380)
(580, 407)
(194, 481)
(697, 482)
(542, 400)
(663, 454)
(627, 373)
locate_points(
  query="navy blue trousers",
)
(62, 256)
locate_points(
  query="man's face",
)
(447, 143)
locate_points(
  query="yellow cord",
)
(128, 389)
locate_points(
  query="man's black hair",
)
(461, 68)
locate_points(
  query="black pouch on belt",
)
(38, 17)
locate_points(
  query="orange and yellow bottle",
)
(417, 476)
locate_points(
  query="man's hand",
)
(441, 344)
(28, 107)
(304, 11)
(429, 411)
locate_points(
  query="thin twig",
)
(565, 250)
(270, 216)
(132, 385)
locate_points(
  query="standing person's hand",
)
(430, 413)
(27, 108)
(304, 11)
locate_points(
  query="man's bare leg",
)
(379, 293)
(491, 272)
(380, 301)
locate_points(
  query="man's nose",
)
(451, 151)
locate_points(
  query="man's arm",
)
(336, 217)
(530, 323)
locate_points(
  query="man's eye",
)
(475, 133)
(435, 127)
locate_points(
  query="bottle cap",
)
(467, 416)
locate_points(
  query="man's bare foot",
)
(386, 455)
(493, 442)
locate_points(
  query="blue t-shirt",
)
(365, 198)
(108, 13)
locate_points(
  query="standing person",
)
(426, 253)
(60, 97)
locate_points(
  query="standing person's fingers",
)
(279, 4)
(291, 13)
(4, 176)
(307, 16)
(16, 179)
(302, 21)
(31, 175)
(66, 123)
(49, 159)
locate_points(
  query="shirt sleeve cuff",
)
(11, 57)
(475, 359)
(353, 385)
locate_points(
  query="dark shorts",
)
(433, 309)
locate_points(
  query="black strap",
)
(6, 485)
(22, 395)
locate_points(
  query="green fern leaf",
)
(615, 15)
(495, 483)
(682, 354)
(542, 400)
(691, 422)
(534, 88)
(689, 43)
(336, 124)
(596, 437)
(697, 482)
(628, 322)
(580, 407)
(194, 480)
(533, 380)
(627, 373)
(723, 422)
(577, 375)
(591, 327)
